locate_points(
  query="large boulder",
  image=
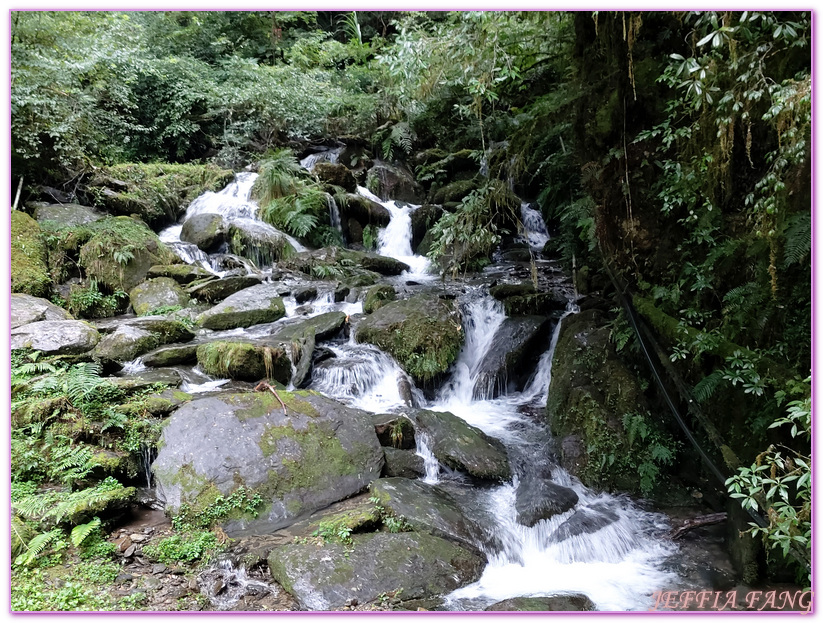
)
(171, 355)
(358, 212)
(247, 360)
(258, 241)
(316, 453)
(67, 214)
(335, 174)
(29, 273)
(459, 445)
(215, 289)
(423, 333)
(156, 293)
(326, 577)
(555, 603)
(377, 296)
(26, 309)
(340, 263)
(57, 337)
(403, 463)
(422, 220)
(394, 430)
(324, 326)
(507, 363)
(131, 340)
(393, 181)
(251, 306)
(538, 498)
(207, 231)
(427, 508)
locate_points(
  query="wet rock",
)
(248, 360)
(144, 380)
(67, 214)
(461, 446)
(251, 306)
(336, 174)
(377, 296)
(393, 181)
(507, 290)
(323, 578)
(455, 192)
(394, 430)
(171, 355)
(258, 241)
(402, 463)
(26, 309)
(422, 220)
(357, 212)
(58, 337)
(515, 340)
(218, 289)
(428, 509)
(325, 326)
(156, 293)
(556, 603)
(317, 453)
(346, 265)
(587, 520)
(207, 231)
(538, 498)
(131, 340)
(304, 294)
(423, 333)
(540, 304)
(182, 273)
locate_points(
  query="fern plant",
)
(80, 533)
(395, 140)
(36, 546)
(279, 177)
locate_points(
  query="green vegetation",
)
(186, 547)
(28, 256)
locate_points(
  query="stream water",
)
(606, 547)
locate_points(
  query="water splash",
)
(134, 367)
(330, 155)
(536, 233)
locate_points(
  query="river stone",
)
(326, 577)
(304, 294)
(325, 326)
(251, 306)
(402, 463)
(336, 174)
(26, 309)
(207, 231)
(423, 333)
(171, 355)
(182, 273)
(67, 214)
(147, 378)
(427, 508)
(586, 520)
(318, 453)
(506, 290)
(345, 264)
(248, 360)
(132, 339)
(156, 293)
(462, 446)
(393, 181)
(555, 603)
(218, 289)
(538, 498)
(363, 211)
(56, 337)
(394, 430)
(377, 296)
(258, 241)
(513, 341)
(540, 304)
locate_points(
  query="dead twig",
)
(263, 386)
(697, 522)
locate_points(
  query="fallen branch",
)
(263, 386)
(698, 522)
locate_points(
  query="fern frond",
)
(36, 546)
(21, 534)
(798, 239)
(80, 533)
(707, 386)
(34, 506)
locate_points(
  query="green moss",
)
(158, 193)
(29, 273)
(377, 296)
(241, 360)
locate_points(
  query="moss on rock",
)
(29, 273)
(245, 361)
(377, 296)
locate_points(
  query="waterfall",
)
(330, 155)
(536, 233)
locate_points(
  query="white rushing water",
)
(395, 238)
(616, 553)
(536, 233)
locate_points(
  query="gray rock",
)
(258, 241)
(156, 293)
(207, 231)
(555, 603)
(251, 306)
(324, 326)
(218, 289)
(402, 463)
(324, 578)
(587, 520)
(171, 355)
(143, 380)
(181, 273)
(318, 453)
(67, 214)
(426, 508)
(26, 309)
(139, 336)
(393, 181)
(56, 337)
(394, 430)
(461, 446)
(538, 498)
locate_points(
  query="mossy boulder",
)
(157, 293)
(427, 508)
(250, 306)
(555, 603)
(120, 251)
(67, 214)
(157, 405)
(394, 430)
(207, 231)
(171, 355)
(507, 290)
(258, 241)
(57, 337)
(29, 273)
(215, 289)
(316, 453)
(323, 326)
(246, 360)
(377, 296)
(423, 333)
(461, 446)
(182, 273)
(336, 174)
(539, 304)
(158, 193)
(402, 463)
(132, 339)
(26, 309)
(393, 181)
(455, 192)
(354, 268)
(415, 566)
